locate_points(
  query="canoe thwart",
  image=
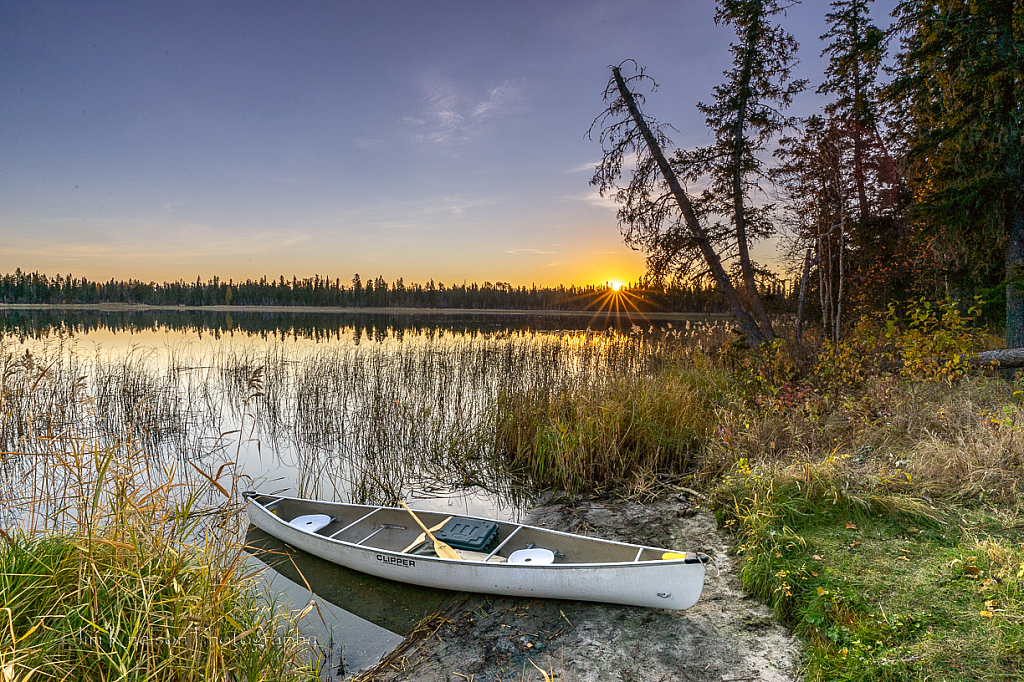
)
(383, 526)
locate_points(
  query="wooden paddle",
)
(423, 536)
(442, 550)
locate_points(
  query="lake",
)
(368, 408)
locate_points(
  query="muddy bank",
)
(727, 636)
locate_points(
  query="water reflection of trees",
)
(319, 327)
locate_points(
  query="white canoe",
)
(527, 561)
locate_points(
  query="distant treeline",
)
(23, 287)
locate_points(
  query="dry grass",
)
(621, 433)
(959, 442)
(116, 565)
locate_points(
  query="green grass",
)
(111, 611)
(114, 569)
(882, 584)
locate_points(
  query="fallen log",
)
(1006, 358)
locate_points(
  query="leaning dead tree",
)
(691, 236)
(648, 214)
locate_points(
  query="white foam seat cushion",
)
(537, 556)
(310, 523)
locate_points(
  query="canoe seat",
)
(536, 556)
(310, 523)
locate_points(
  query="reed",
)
(620, 432)
(112, 570)
(375, 421)
(115, 563)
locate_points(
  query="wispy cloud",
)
(456, 204)
(497, 101)
(156, 240)
(449, 115)
(594, 198)
(516, 252)
(415, 213)
(589, 166)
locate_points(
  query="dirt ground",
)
(725, 637)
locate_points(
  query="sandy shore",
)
(726, 637)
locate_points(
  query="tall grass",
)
(117, 563)
(111, 570)
(621, 432)
(375, 421)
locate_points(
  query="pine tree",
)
(855, 56)
(959, 83)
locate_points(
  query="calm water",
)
(361, 408)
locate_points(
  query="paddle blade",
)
(445, 552)
(442, 550)
(423, 536)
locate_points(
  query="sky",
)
(423, 140)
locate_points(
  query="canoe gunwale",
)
(656, 582)
(697, 558)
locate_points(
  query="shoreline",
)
(302, 310)
(726, 635)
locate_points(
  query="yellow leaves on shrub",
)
(934, 342)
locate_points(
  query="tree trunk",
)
(839, 294)
(1006, 358)
(754, 335)
(739, 214)
(1014, 275)
(803, 298)
(858, 170)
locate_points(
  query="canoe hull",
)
(660, 584)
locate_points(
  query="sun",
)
(615, 285)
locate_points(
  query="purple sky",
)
(445, 140)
